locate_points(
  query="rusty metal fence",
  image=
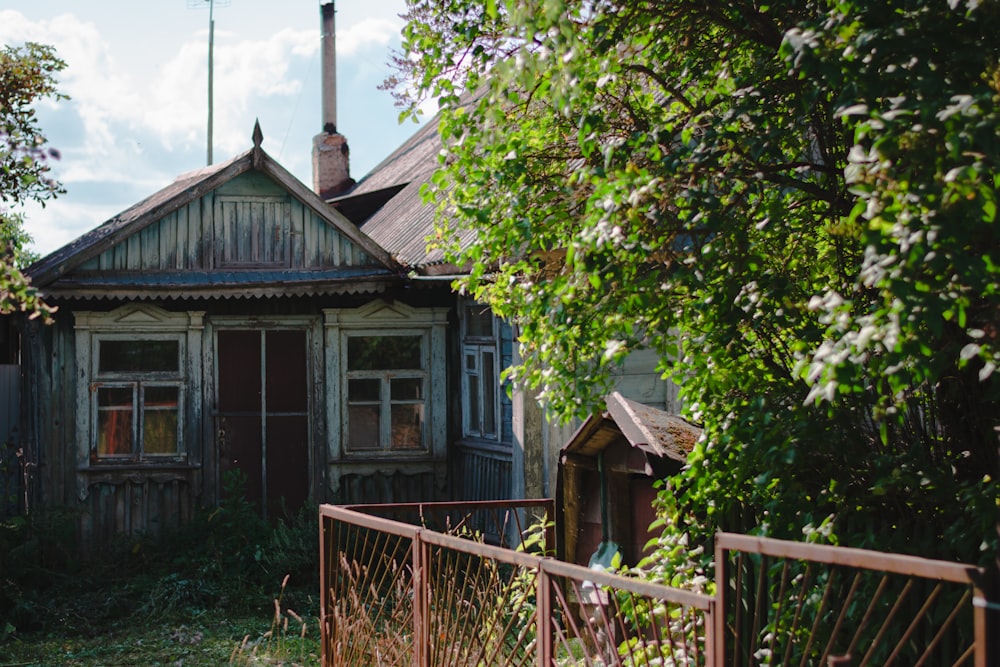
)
(789, 603)
(398, 593)
(420, 585)
(499, 522)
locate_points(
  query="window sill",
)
(139, 465)
(483, 445)
(391, 455)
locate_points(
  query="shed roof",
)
(653, 431)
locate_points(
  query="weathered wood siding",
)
(388, 487)
(638, 380)
(481, 471)
(48, 429)
(10, 379)
(250, 222)
(11, 479)
(135, 505)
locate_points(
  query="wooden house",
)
(238, 324)
(232, 322)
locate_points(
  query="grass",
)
(226, 589)
(237, 634)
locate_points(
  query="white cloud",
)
(137, 113)
(367, 33)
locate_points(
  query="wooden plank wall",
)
(10, 381)
(232, 229)
(130, 508)
(10, 465)
(481, 472)
(379, 487)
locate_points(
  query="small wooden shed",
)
(616, 458)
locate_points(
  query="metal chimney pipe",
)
(329, 69)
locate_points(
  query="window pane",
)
(363, 427)
(114, 421)
(478, 321)
(159, 432)
(407, 426)
(407, 389)
(474, 422)
(364, 390)
(489, 395)
(118, 356)
(159, 425)
(383, 353)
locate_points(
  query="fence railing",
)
(500, 522)
(418, 584)
(789, 603)
(402, 594)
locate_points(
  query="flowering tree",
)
(795, 203)
(26, 75)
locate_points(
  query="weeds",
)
(187, 598)
(286, 643)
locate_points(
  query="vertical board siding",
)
(10, 380)
(11, 489)
(482, 473)
(181, 254)
(233, 232)
(133, 508)
(297, 217)
(149, 248)
(311, 257)
(387, 488)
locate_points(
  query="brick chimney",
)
(331, 156)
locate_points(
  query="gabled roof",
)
(415, 159)
(652, 431)
(73, 269)
(402, 222)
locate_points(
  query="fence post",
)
(719, 617)
(324, 587)
(710, 649)
(550, 529)
(421, 603)
(543, 616)
(986, 618)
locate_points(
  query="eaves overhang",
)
(221, 284)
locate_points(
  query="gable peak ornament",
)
(257, 136)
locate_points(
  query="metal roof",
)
(403, 223)
(416, 159)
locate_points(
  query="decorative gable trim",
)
(136, 317)
(386, 313)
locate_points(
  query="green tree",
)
(27, 74)
(793, 202)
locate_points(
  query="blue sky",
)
(137, 75)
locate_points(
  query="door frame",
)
(316, 423)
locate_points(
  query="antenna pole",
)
(211, 43)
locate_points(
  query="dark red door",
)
(263, 415)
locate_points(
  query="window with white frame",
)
(137, 397)
(386, 391)
(481, 391)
